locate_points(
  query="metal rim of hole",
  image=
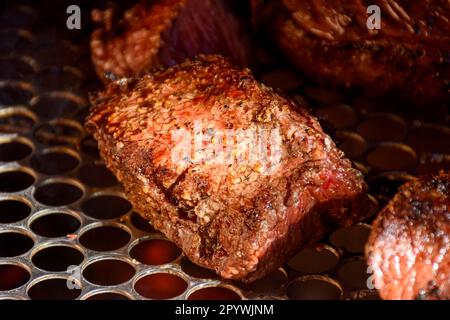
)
(107, 257)
(163, 270)
(202, 286)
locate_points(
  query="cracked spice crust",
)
(230, 218)
(409, 57)
(409, 247)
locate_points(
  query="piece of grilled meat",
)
(409, 247)
(408, 58)
(242, 216)
(165, 32)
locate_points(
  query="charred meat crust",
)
(409, 57)
(409, 247)
(228, 217)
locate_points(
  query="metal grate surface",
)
(68, 232)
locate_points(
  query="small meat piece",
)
(242, 215)
(163, 33)
(329, 40)
(409, 247)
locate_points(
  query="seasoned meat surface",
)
(163, 33)
(409, 247)
(409, 57)
(241, 216)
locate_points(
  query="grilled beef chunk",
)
(242, 217)
(409, 57)
(163, 33)
(409, 247)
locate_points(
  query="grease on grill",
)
(13, 210)
(57, 193)
(55, 161)
(105, 206)
(15, 180)
(214, 293)
(14, 244)
(16, 120)
(108, 272)
(315, 259)
(354, 273)
(58, 132)
(340, 115)
(96, 176)
(160, 286)
(12, 276)
(57, 258)
(14, 149)
(392, 156)
(383, 127)
(155, 251)
(352, 239)
(55, 289)
(105, 238)
(314, 288)
(55, 224)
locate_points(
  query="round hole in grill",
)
(56, 104)
(58, 193)
(430, 138)
(160, 286)
(106, 206)
(315, 259)
(60, 288)
(89, 147)
(97, 176)
(155, 251)
(57, 258)
(340, 115)
(271, 282)
(14, 150)
(15, 92)
(352, 239)
(214, 293)
(351, 143)
(314, 287)
(196, 271)
(16, 120)
(52, 224)
(57, 78)
(17, 67)
(15, 180)
(107, 295)
(323, 96)
(392, 156)
(383, 127)
(15, 40)
(13, 210)
(58, 132)
(13, 276)
(55, 161)
(140, 223)
(108, 272)
(353, 273)
(105, 238)
(14, 244)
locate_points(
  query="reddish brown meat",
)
(409, 248)
(239, 218)
(165, 32)
(329, 40)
